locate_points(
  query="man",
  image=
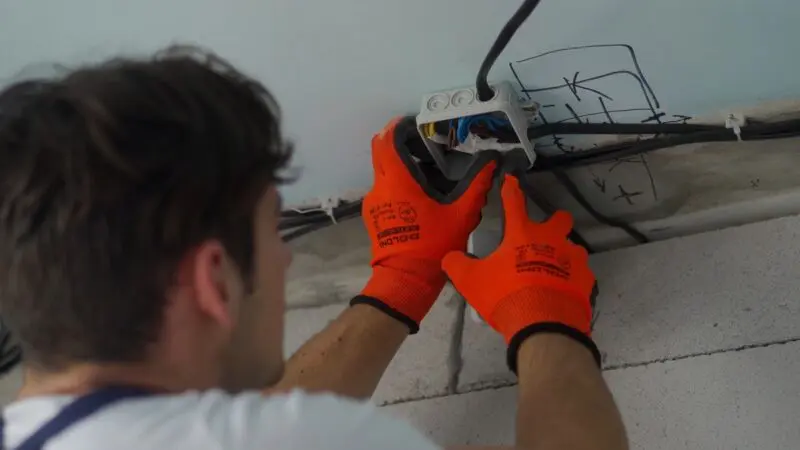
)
(143, 273)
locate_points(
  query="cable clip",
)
(735, 122)
(327, 205)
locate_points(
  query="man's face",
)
(254, 359)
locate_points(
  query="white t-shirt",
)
(215, 420)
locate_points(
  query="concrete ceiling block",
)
(329, 266)
(746, 400)
(742, 399)
(704, 293)
(709, 292)
(483, 354)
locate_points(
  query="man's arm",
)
(536, 290)
(563, 400)
(348, 357)
(405, 220)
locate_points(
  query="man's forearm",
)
(563, 400)
(348, 357)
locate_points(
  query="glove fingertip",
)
(561, 221)
(488, 170)
(454, 263)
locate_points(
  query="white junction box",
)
(457, 103)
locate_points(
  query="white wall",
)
(342, 68)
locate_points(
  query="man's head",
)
(138, 218)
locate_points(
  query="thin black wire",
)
(675, 135)
(557, 164)
(11, 358)
(485, 92)
(305, 213)
(620, 128)
(319, 216)
(754, 132)
(304, 230)
(570, 186)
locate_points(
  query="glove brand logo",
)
(407, 212)
(543, 268)
(538, 250)
(383, 212)
(407, 275)
(530, 258)
(398, 235)
(398, 230)
(522, 253)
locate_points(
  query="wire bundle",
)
(665, 136)
(673, 135)
(296, 223)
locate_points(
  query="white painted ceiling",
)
(342, 68)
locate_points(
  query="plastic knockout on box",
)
(464, 102)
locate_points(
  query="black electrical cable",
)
(755, 132)
(314, 212)
(568, 128)
(681, 134)
(668, 135)
(302, 231)
(570, 186)
(620, 128)
(10, 352)
(485, 92)
(11, 358)
(315, 217)
(294, 222)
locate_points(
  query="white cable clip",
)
(328, 205)
(735, 122)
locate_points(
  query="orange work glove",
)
(412, 225)
(535, 281)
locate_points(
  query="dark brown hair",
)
(108, 176)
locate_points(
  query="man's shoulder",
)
(214, 419)
(291, 420)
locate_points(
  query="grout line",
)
(454, 360)
(694, 355)
(488, 387)
(492, 386)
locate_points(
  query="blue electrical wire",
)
(488, 120)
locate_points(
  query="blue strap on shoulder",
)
(79, 409)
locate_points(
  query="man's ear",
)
(214, 283)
